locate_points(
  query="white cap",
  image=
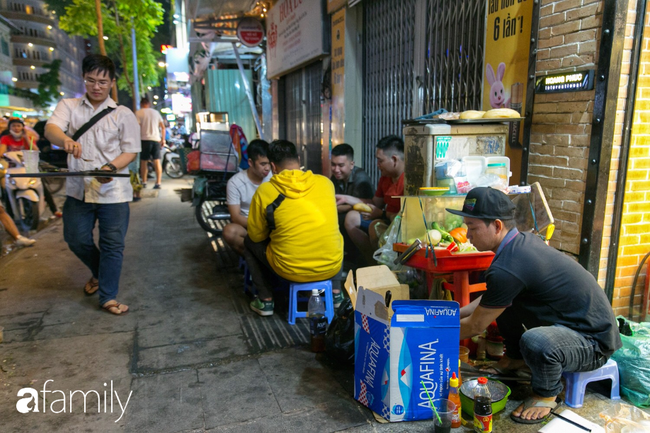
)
(314, 292)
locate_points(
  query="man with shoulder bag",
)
(100, 134)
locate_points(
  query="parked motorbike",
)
(24, 194)
(171, 161)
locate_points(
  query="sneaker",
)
(338, 299)
(156, 186)
(263, 308)
(22, 241)
(144, 185)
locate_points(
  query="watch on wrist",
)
(111, 166)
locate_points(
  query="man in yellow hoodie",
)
(293, 227)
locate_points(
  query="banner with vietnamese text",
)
(507, 49)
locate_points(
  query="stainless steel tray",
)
(479, 121)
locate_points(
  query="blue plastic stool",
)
(576, 383)
(325, 286)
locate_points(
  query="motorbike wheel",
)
(27, 213)
(173, 168)
(202, 211)
(54, 184)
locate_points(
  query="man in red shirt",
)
(16, 139)
(363, 227)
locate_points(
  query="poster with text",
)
(338, 77)
(294, 34)
(507, 48)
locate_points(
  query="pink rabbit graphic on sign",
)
(498, 96)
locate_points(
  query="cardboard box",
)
(399, 346)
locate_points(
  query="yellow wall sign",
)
(333, 5)
(338, 77)
(507, 46)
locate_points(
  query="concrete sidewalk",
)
(188, 357)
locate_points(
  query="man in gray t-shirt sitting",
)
(240, 191)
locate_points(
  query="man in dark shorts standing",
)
(152, 134)
(363, 227)
(552, 313)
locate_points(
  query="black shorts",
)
(150, 150)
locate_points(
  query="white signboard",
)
(294, 33)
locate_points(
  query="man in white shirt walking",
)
(152, 135)
(110, 144)
(240, 191)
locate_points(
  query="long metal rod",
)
(87, 173)
(240, 65)
(621, 178)
(136, 78)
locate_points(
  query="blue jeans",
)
(105, 262)
(551, 350)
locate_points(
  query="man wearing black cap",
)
(552, 313)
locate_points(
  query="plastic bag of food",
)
(633, 361)
(385, 254)
(623, 418)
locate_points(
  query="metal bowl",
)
(498, 391)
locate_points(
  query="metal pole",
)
(136, 81)
(248, 92)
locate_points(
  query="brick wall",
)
(634, 240)
(569, 36)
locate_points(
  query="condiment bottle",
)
(454, 398)
(482, 407)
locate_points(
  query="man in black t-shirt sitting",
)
(552, 313)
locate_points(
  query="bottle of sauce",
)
(454, 397)
(482, 407)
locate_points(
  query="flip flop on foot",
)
(115, 307)
(91, 287)
(536, 407)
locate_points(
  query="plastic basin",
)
(499, 391)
